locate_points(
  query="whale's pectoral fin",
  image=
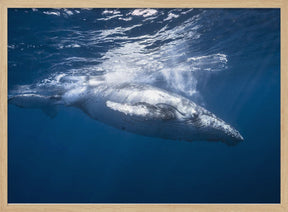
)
(144, 110)
(128, 109)
(46, 103)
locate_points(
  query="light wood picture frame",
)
(5, 4)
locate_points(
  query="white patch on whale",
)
(139, 110)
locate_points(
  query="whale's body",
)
(140, 109)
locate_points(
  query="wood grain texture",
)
(144, 207)
(3, 106)
(145, 3)
(4, 4)
(284, 102)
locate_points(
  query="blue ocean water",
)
(227, 60)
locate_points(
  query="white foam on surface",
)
(52, 13)
(171, 16)
(144, 12)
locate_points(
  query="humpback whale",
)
(136, 108)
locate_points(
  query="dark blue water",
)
(227, 60)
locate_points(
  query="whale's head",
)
(207, 126)
(153, 112)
